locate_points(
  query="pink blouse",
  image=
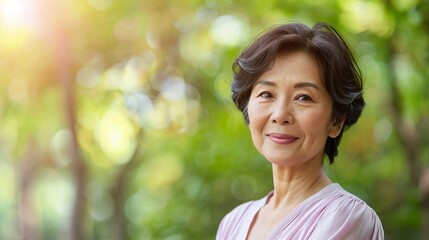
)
(331, 213)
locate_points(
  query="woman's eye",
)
(265, 95)
(304, 98)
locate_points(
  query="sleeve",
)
(349, 218)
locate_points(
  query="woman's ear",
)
(336, 127)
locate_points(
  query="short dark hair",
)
(338, 68)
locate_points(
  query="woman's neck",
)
(294, 185)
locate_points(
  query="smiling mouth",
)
(281, 138)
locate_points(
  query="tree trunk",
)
(117, 192)
(27, 215)
(409, 138)
(65, 76)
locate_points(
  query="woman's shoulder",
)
(349, 216)
(240, 210)
(239, 217)
(244, 209)
(343, 204)
(343, 201)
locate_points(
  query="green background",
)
(116, 120)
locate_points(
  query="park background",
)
(116, 118)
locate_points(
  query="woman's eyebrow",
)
(306, 85)
(297, 85)
(267, 83)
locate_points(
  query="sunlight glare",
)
(18, 13)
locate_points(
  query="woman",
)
(299, 89)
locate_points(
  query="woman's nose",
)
(282, 114)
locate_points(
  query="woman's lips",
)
(280, 138)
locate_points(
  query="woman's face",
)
(290, 111)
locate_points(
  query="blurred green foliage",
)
(166, 153)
